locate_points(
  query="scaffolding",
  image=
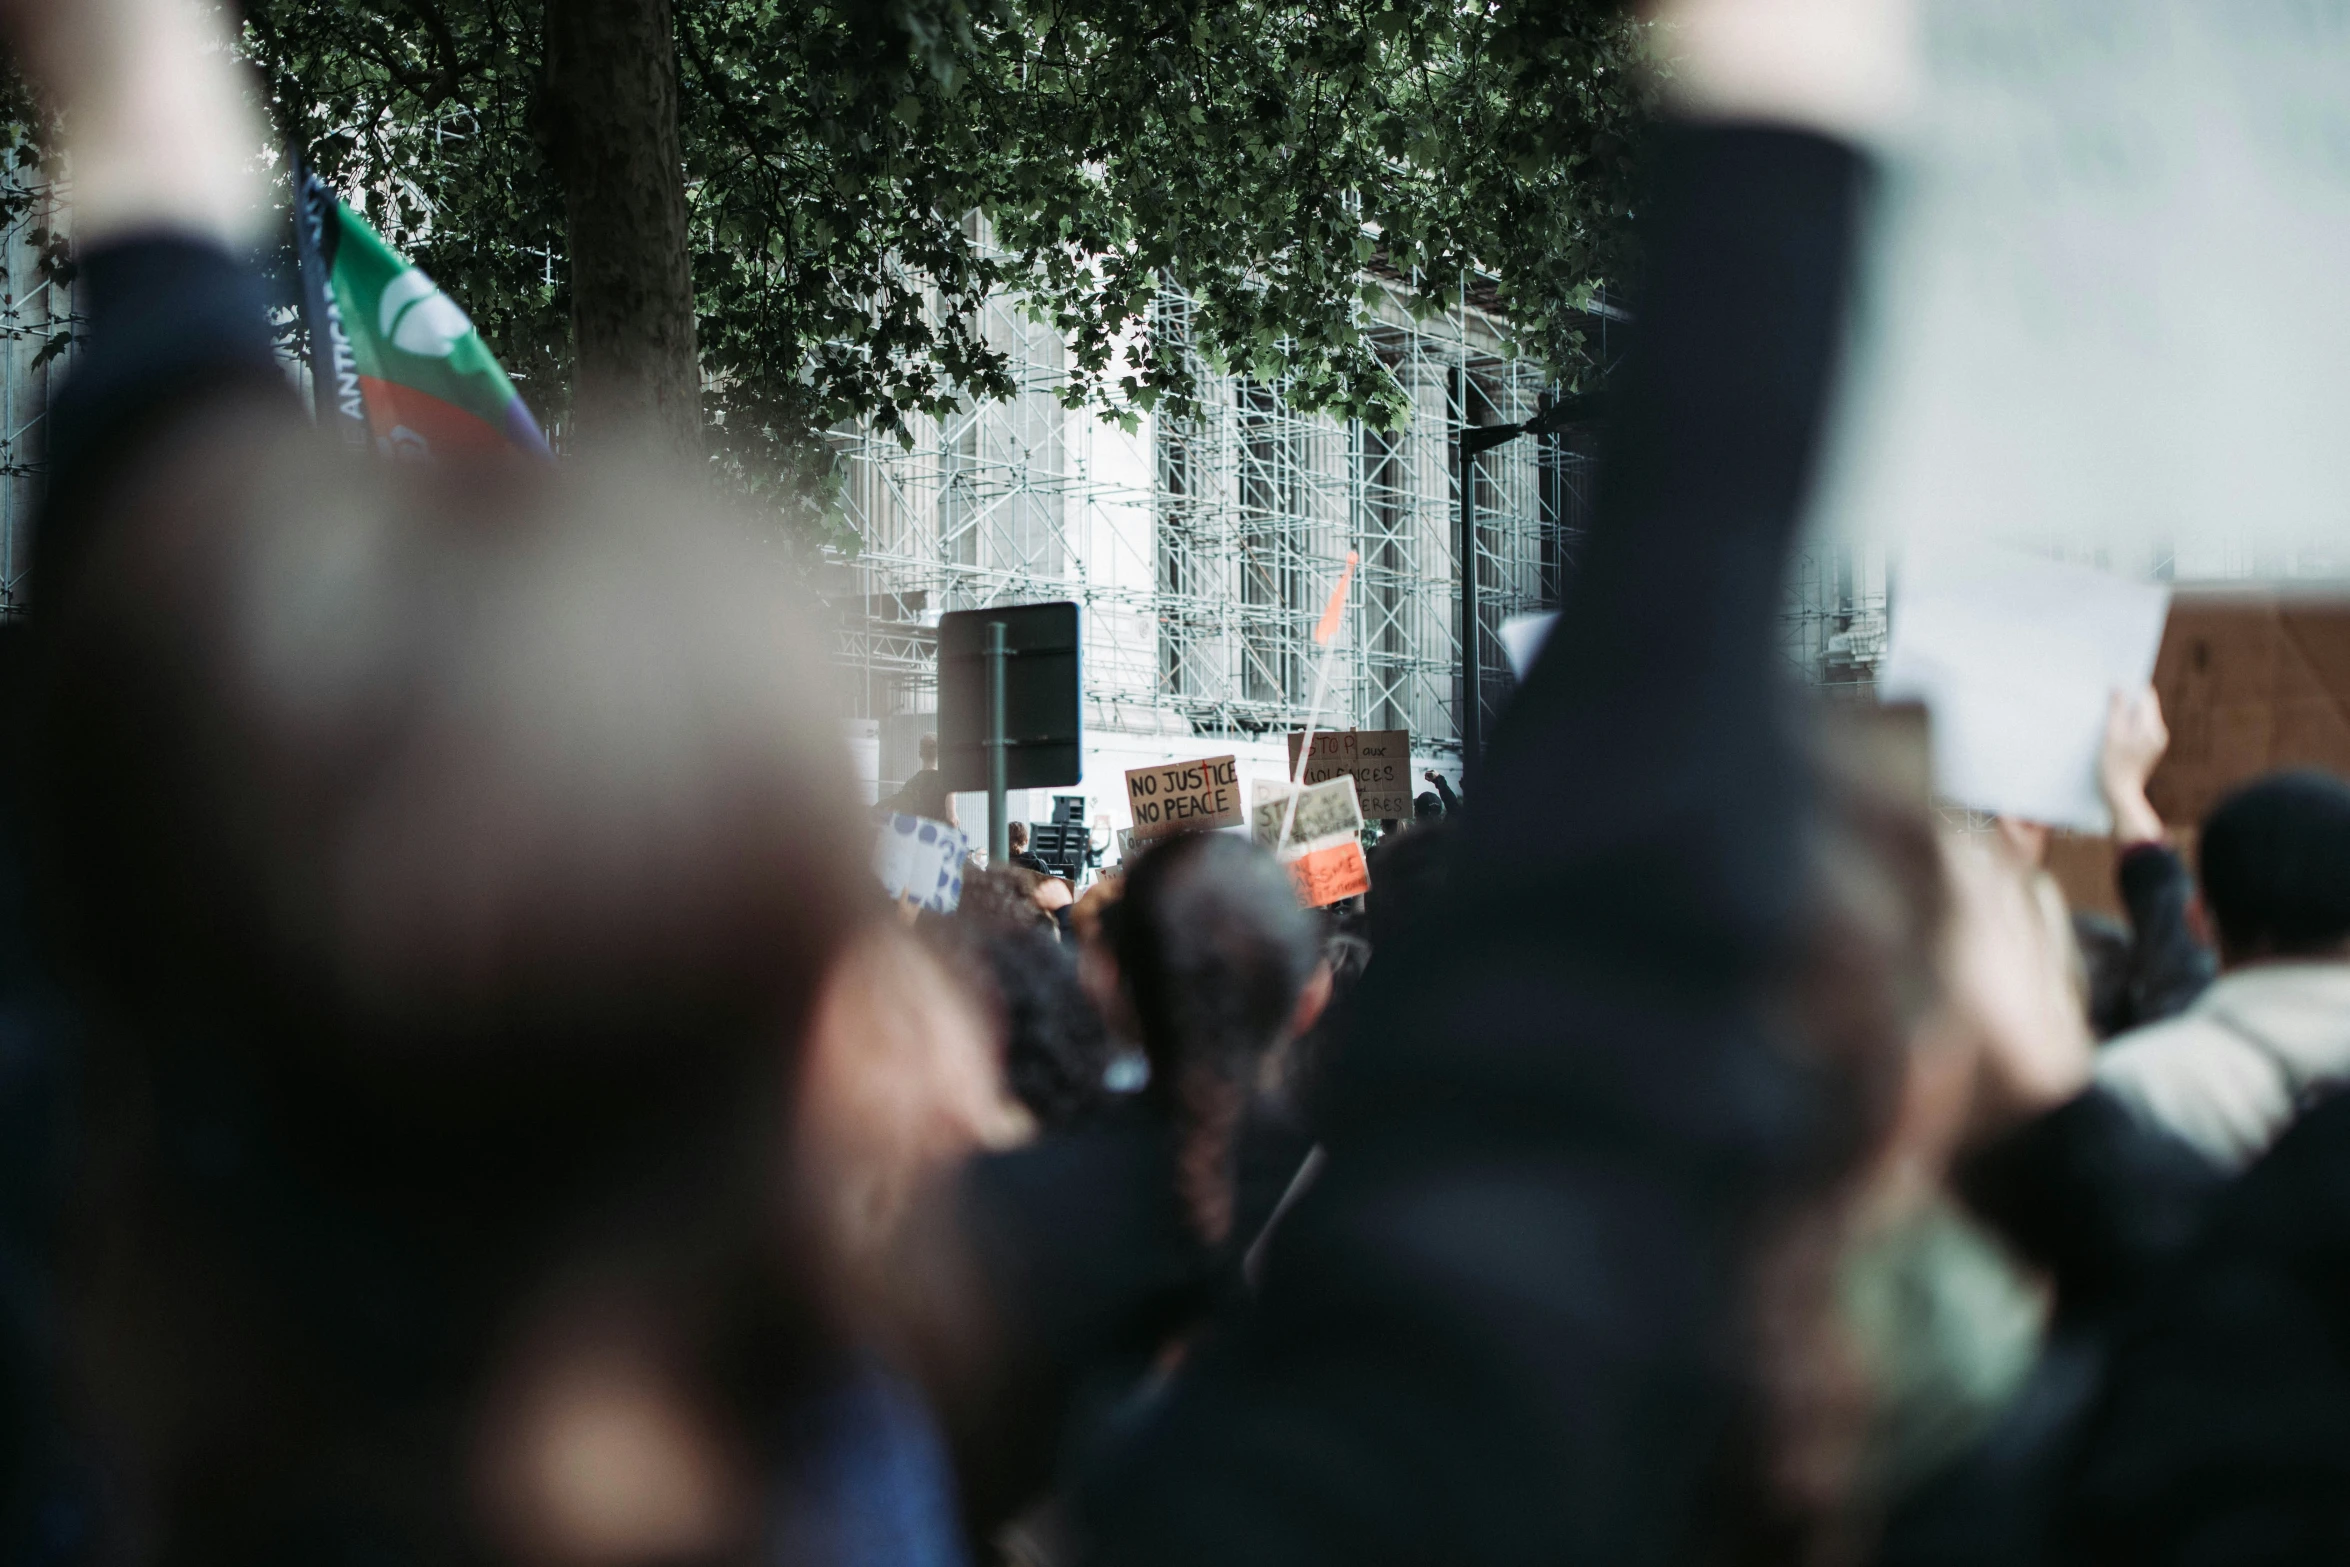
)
(1203, 548)
(1836, 623)
(37, 322)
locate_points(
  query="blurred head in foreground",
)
(2274, 864)
(451, 862)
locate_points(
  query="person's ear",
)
(591, 1450)
(1311, 1001)
(1097, 972)
(900, 1075)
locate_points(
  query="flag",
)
(397, 364)
(1337, 606)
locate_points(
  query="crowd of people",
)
(466, 1099)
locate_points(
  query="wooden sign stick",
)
(1325, 638)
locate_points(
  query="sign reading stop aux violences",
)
(1379, 760)
(1184, 797)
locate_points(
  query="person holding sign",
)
(925, 794)
(2272, 1035)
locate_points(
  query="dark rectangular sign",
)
(1044, 700)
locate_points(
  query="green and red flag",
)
(397, 364)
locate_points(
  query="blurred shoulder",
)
(2197, 1078)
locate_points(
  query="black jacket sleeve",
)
(1630, 853)
(2109, 1206)
(175, 325)
(1490, 1331)
(2169, 968)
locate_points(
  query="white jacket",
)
(2231, 1072)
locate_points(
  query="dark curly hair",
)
(1056, 1046)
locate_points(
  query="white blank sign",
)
(2105, 306)
(2016, 659)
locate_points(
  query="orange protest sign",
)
(1326, 875)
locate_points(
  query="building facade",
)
(1202, 551)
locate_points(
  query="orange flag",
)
(1329, 623)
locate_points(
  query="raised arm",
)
(159, 128)
(1492, 1331)
(1645, 779)
(1635, 834)
(2169, 963)
(162, 146)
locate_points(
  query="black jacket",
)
(1089, 1271)
(924, 795)
(2222, 1435)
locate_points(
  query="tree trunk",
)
(610, 129)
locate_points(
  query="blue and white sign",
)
(922, 861)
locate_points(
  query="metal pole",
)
(1477, 438)
(999, 830)
(1472, 721)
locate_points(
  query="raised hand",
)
(2135, 740)
(2009, 986)
(161, 134)
(1847, 67)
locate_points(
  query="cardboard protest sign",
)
(2250, 681)
(1380, 761)
(2017, 658)
(920, 859)
(1325, 875)
(1184, 797)
(1324, 810)
(1324, 849)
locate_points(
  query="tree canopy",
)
(1257, 154)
